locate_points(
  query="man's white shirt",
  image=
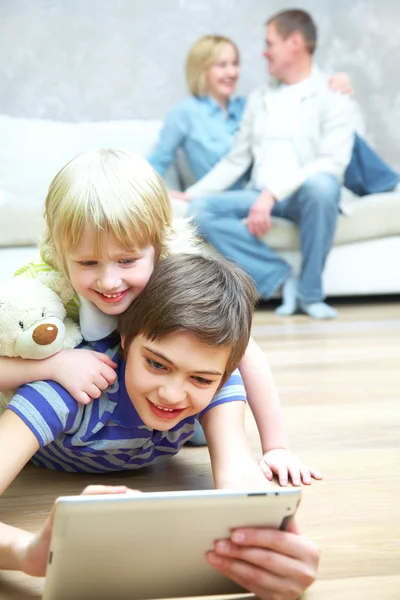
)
(279, 159)
(321, 128)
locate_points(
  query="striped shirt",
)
(108, 434)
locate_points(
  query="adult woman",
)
(203, 125)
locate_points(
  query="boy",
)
(181, 340)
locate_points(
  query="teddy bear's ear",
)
(58, 283)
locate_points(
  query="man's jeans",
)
(314, 208)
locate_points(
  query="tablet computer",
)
(152, 545)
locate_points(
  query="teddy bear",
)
(33, 322)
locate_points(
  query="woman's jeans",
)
(367, 173)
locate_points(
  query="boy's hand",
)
(284, 464)
(33, 550)
(269, 563)
(83, 373)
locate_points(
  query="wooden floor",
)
(339, 383)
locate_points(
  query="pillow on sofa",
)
(31, 153)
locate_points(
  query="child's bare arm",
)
(83, 373)
(263, 399)
(27, 552)
(17, 446)
(15, 372)
(232, 462)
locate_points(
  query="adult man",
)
(298, 136)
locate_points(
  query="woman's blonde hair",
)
(204, 53)
(108, 191)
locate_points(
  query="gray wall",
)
(114, 59)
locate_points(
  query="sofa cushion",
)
(374, 216)
(371, 217)
(32, 151)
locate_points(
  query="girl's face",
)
(221, 78)
(113, 280)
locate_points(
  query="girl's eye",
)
(154, 364)
(127, 261)
(202, 381)
(88, 263)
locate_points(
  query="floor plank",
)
(339, 384)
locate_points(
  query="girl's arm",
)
(15, 372)
(263, 400)
(232, 463)
(83, 373)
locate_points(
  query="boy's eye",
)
(202, 380)
(154, 364)
(88, 263)
(127, 261)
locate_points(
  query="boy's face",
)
(113, 280)
(173, 378)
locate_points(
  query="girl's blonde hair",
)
(108, 191)
(204, 53)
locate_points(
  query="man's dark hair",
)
(289, 21)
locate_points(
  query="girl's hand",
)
(341, 82)
(284, 464)
(33, 550)
(270, 563)
(83, 373)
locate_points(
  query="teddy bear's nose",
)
(44, 334)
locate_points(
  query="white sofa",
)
(364, 260)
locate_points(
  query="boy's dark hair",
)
(210, 297)
(289, 21)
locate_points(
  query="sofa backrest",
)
(32, 151)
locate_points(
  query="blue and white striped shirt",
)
(108, 434)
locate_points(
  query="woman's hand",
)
(274, 565)
(33, 550)
(341, 82)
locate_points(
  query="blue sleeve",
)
(232, 391)
(171, 137)
(47, 409)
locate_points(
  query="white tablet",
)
(152, 545)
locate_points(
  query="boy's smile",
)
(173, 378)
(112, 280)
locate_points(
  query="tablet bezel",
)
(93, 554)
